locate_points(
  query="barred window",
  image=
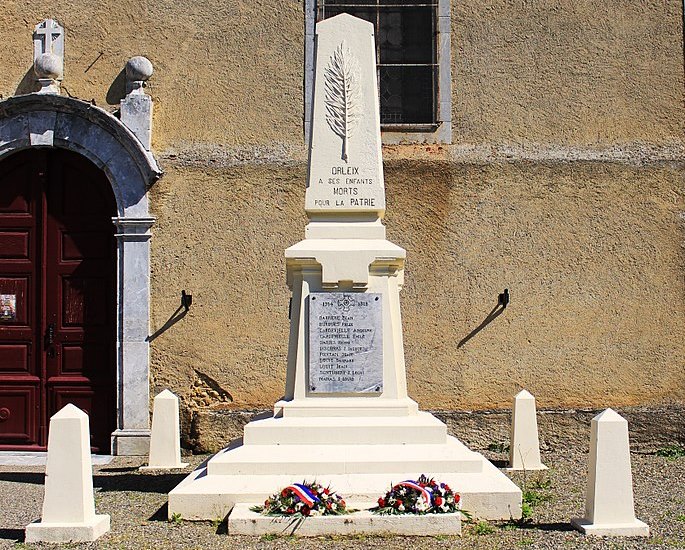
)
(412, 56)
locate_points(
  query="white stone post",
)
(165, 441)
(68, 506)
(609, 507)
(524, 446)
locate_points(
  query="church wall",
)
(591, 253)
(230, 72)
(563, 184)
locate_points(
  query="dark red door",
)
(57, 296)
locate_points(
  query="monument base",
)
(635, 528)
(68, 532)
(242, 521)
(361, 471)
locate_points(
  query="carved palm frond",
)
(342, 94)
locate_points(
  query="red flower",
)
(305, 511)
(342, 502)
(381, 502)
(290, 511)
(284, 493)
(456, 498)
(438, 501)
(398, 503)
(267, 502)
(326, 492)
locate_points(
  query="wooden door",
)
(57, 296)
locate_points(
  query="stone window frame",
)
(46, 120)
(443, 133)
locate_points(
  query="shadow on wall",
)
(502, 303)
(117, 90)
(28, 83)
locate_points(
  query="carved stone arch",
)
(44, 120)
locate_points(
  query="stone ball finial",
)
(48, 65)
(139, 68)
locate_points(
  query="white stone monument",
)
(68, 506)
(165, 440)
(524, 445)
(345, 419)
(609, 509)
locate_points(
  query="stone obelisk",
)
(345, 419)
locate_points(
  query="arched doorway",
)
(44, 122)
(57, 296)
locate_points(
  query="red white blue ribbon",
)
(425, 492)
(303, 492)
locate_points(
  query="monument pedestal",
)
(345, 419)
(359, 444)
(362, 473)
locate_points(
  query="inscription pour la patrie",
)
(345, 343)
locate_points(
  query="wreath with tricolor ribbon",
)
(423, 496)
(303, 500)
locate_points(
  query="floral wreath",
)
(303, 500)
(423, 496)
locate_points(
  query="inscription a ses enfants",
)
(348, 188)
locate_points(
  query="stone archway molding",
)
(45, 120)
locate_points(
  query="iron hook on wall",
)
(503, 298)
(186, 300)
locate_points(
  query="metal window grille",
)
(406, 57)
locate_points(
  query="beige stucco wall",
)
(230, 71)
(564, 184)
(567, 71)
(590, 252)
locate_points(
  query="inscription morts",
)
(345, 342)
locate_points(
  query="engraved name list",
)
(345, 343)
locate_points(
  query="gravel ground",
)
(136, 502)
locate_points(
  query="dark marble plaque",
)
(345, 342)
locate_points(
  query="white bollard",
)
(68, 506)
(609, 509)
(165, 440)
(524, 445)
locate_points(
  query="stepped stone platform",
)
(250, 470)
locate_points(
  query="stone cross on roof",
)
(48, 37)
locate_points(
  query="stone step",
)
(242, 521)
(421, 428)
(344, 459)
(346, 407)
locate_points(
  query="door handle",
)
(50, 340)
